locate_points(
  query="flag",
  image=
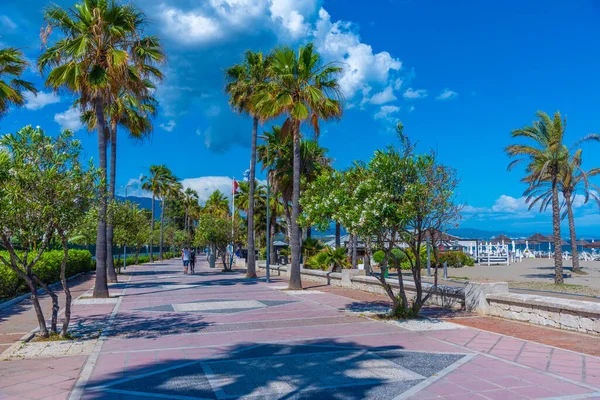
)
(234, 186)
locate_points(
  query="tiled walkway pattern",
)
(216, 335)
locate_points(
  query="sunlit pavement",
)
(217, 335)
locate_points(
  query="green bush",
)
(47, 269)
(456, 259)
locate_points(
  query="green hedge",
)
(47, 269)
(456, 259)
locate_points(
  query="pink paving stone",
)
(566, 363)
(566, 388)
(424, 395)
(446, 389)
(509, 382)
(43, 392)
(502, 395)
(458, 377)
(59, 396)
(478, 386)
(576, 376)
(559, 370)
(52, 379)
(21, 388)
(534, 392)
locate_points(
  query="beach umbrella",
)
(537, 238)
(501, 238)
(582, 243)
(593, 245)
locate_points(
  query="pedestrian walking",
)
(192, 260)
(185, 256)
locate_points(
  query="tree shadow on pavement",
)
(319, 369)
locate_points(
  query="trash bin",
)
(283, 260)
(212, 260)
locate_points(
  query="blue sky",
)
(460, 76)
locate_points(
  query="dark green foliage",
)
(47, 269)
(456, 259)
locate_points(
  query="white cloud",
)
(134, 188)
(213, 111)
(207, 135)
(69, 119)
(292, 15)
(411, 109)
(382, 97)
(415, 94)
(41, 100)
(385, 112)
(447, 94)
(507, 203)
(398, 84)
(7, 23)
(191, 26)
(169, 126)
(205, 185)
(339, 41)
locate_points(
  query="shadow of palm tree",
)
(319, 369)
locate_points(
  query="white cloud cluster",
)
(447, 94)
(410, 93)
(41, 100)
(222, 19)
(290, 20)
(169, 126)
(386, 111)
(362, 67)
(205, 185)
(69, 119)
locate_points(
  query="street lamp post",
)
(268, 258)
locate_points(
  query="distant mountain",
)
(472, 233)
(143, 202)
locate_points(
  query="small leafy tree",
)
(215, 232)
(46, 192)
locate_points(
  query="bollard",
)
(446, 270)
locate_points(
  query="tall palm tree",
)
(303, 90)
(12, 66)
(572, 179)
(243, 81)
(190, 200)
(173, 190)
(157, 183)
(100, 52)
(132, 113)
(217, 205)
(545, 158)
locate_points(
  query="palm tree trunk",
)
(337, 235)
(573, 234)
(251, 267)
(558, 262)
(65, 285)
(309, 232)
(288, 220)
(110, 260)
(101, 283)
(295, 282)
(152, 228)
(162, 227)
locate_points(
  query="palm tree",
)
(190, 200)
(12, 66)
(133, 114)
(243, 81)
(545, 158)
(571, 179)
(313, 162)
(217, 205)
(157, 183)
(173, 190)
(101, 51)
(303, 90)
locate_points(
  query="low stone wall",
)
(483, 298)
(575, 315)
(447, 296)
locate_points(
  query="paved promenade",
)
(216, 335)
